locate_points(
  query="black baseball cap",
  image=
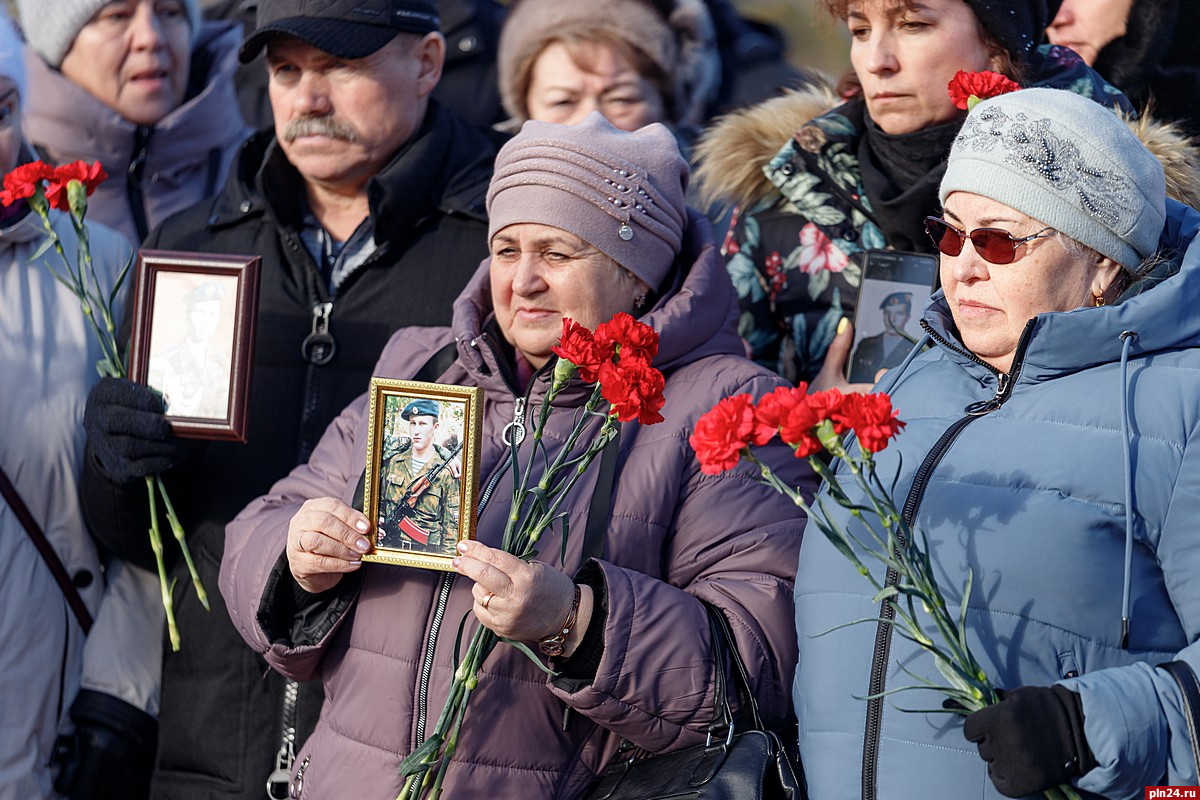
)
(342, 28)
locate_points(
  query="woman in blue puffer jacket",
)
(1049, 450)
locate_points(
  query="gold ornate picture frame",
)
(422, 472)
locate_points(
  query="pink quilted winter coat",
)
(382, 640)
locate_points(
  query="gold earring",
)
(1098, 300)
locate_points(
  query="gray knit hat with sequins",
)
(622, 193)
(51, 27)
(1069, 163)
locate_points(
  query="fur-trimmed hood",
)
(1178, 154)
(731, 153)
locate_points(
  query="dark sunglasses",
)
(994, 245)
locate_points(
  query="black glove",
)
(111, 754)
(127, 432)
(1032, 740)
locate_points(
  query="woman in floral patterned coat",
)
(863, 174)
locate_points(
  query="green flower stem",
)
(518, 540)
(451, 744)
(561, 459)
(449, 723)
(908, 555)
(87, 270)
(157, 546)
(82, 281)
(177, 531)
(534, 511)
(561, 491)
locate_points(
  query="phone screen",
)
(895, 287)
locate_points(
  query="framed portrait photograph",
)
(193, 338)
(422, 471)
(887, 320)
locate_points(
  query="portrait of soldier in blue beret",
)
(418, 487)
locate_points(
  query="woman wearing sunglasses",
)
(816, 188)
(1049, 444)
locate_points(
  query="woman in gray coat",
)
(142, 87)
(638, 661)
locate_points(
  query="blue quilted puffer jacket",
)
(1073, 495)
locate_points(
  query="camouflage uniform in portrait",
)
(433, 508)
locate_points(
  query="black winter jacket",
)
(220, 723)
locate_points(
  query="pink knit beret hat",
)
(622, 193)
(681, 42)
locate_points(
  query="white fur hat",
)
(51, 26)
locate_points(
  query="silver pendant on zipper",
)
(318, 347)
(514, 432)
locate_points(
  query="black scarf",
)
(901, 174)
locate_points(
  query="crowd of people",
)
(432, 188)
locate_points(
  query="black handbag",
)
(744, 763)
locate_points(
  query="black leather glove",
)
(1032, 740)
(111, 754)
(127, 432)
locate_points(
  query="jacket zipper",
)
(447, 581)
(133, 181)
(277, 784)
(317, 348)
(285, 758)
(887, 612)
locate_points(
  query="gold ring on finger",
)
(487, 599)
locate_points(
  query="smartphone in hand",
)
(895, 287)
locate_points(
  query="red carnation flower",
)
(89, 175)
(24, 181)
(969, 88)
(831, 405)
(579, 346)
(633, 389)
(798, 429)
(636, 339)
(773, 409)
(722, 433)
(873, 419)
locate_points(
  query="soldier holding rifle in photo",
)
(418, 489)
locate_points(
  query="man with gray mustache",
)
(366, 203)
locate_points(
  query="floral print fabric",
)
(796, 258)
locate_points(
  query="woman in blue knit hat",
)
(1048, 451)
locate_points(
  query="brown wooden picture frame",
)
(182, 305)
(421, 509)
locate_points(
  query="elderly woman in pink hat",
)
(585, 221)
(634, 61)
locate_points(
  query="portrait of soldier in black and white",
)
(193, 372)
(886, 349)
(418, 486)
